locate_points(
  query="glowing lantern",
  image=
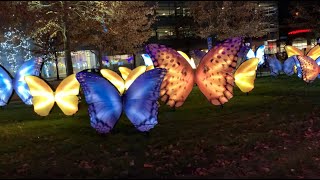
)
(246, 74)
(44, 98)
(214, 74)
(7, 85)
(139, 102)
(259, 53)
(294, 52)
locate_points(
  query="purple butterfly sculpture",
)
(139, 102)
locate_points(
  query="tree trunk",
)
(100, 58)
(66, 43)
(57, 69)
(134, 60)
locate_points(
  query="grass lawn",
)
(272, 132)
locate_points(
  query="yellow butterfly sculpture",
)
(128, 76)
(313, 53)
(44, 98)
(246, 74)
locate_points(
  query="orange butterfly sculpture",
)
(307, 62)
(214, 75)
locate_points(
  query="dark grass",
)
(272, 132)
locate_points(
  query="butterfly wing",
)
(246, 74)
(124, 72)
(260, 54)
(136, 72)
(141, 99)
(6, 88)
(149, 67)
(186, 57)
(179, 80)
(288, 65)
(114, 78)
(314, 53)
(291, 51)
(275, 66)
(31, 67)
(66, 95)
(147, 59)
(43, 96)
(214, 75)
(309, 68)
(103, 99)
(250, 54)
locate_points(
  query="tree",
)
(107, 25)
(225, 19)
(306, 15)
(14, 50)
(64, 18)
(124, 30)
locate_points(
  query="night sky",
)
(283, 10)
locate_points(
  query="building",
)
(271, 22)
(174, 27)
(295, 33)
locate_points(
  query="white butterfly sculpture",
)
(258, 54)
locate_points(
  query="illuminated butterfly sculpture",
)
(66, 95)
(289, 67)
(307, 69)
(147, 60)
(259, 53)
(275, 66)
(7, 84)
(108, 97)
(246, 74)
(214, 75)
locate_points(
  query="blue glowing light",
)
(147, 60)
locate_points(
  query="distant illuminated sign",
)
(299, 31)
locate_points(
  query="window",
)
(114, 62)
(166, 33)
(271, 48)
(300, 43)
(281, 48)
(81, 60)
(313, 42)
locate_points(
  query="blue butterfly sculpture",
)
(275, 66)
(258, 54)
(289, 66)
(139, 102)
(7, 84)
